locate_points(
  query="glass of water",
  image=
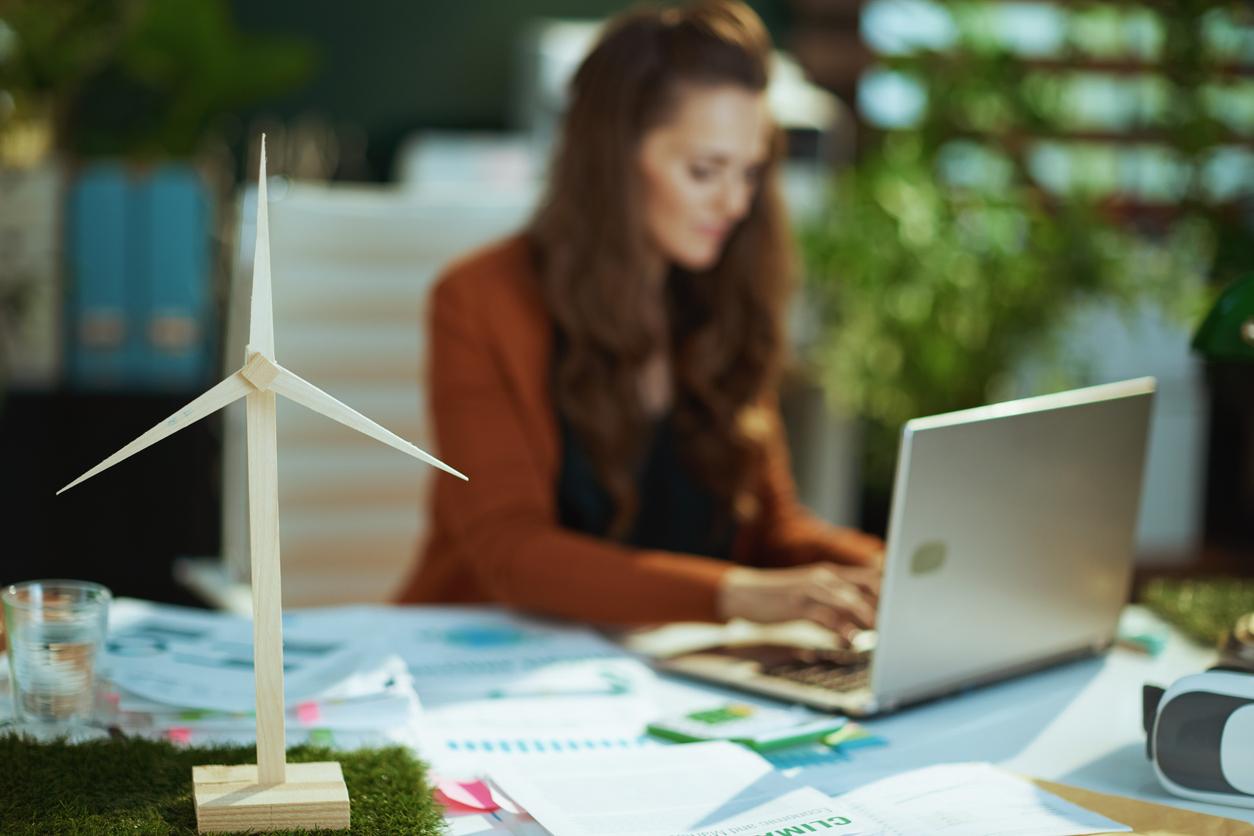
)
(55, 630)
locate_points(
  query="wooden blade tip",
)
(75, 483)
(439, 465)
(419, 453)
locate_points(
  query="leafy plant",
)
(48, 49)
(933, 295)
(942, 263)
(139, 78)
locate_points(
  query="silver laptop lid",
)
(1010, 541)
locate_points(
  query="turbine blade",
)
(261, 309)
(223, 393)
(291, 385)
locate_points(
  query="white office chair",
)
(351, 271)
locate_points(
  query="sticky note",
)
(464, 796)
(308, 713)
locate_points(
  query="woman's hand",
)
(858, 548)
(840, 598)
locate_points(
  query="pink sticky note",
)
(179, 734)
(307, 713)
(464, 796)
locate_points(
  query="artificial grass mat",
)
(1204, 608)
(131, 785)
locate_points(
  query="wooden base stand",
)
(228, 798)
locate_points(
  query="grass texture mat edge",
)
(131, 785)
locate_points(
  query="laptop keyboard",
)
(829, 675)
(833, 670)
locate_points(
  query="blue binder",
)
(104, 346)
(170, 277)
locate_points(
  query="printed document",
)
(699, 789)
(199, 659)
(960, 799)
(461, 653)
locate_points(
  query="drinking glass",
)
(55, 629)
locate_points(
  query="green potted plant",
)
(931, 296)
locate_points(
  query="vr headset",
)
(1200, 735)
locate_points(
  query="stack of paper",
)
(489, 682)
(496, 685)
(187, 675)
(721, 789)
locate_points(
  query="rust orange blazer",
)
(496, 538)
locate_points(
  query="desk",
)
(1079, 724)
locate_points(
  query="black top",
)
(677, 512)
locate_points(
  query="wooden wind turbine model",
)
(272, 795)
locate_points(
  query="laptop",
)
(1010, 547)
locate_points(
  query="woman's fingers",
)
(853, 604)
(846, 599)
(866, 579)
(860, 586)
(824, 616)
(849, 635)
(845, 618)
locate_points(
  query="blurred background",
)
(992, 199)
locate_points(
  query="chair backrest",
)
(351, 271)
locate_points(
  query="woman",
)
(607, 379)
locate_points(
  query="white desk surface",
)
(1078, 724)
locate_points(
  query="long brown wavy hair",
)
(725, 323)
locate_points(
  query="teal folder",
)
(104, 347)
(171, 277)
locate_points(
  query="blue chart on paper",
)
(783, 759)
(550, 745)
(486, 636)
